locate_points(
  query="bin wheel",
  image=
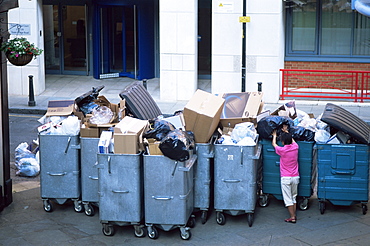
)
(108, 230)
(186, 235)
(152, 232)
(47, 206)
(303, 204)
(250, 219)
(139, 231)
(79, 208)
(191, 222)
(322, 207)
(89, 210)
(364, 209)
(204, 217)
(263, 201)
(220, 218)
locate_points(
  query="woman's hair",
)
(286, 138)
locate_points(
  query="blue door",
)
(124, 40)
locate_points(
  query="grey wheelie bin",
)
(60, 170)
(202, 178)
(271, 173)
(89, 174)
(343, 175)
(121, 192)
(168, 195)
(237, 170)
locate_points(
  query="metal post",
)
(244, 48)
(259, 86)
(31, 100)
(145, 83)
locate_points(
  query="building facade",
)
(183, 41)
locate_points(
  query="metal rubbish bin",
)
(202, 178)
(60, 170)
(89, 174)
(168, 195)
(237, 170)
(343, 174)
(271, 173)
(121, 192)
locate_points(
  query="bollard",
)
(31, 98)
(259, 86)
(145, 83)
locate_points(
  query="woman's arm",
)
(274, 138)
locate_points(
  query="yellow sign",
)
(244, 19)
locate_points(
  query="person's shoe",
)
(291, 220)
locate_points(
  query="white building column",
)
(264, 46)
(29, 12)
(226, 46)
(178, 49)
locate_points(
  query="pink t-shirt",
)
(288, 160)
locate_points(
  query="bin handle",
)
(93, 178)
(120, 191)
(109, 171)
(258, 154)
(165, 198)
(68, 143)
(277, 163)
(231, 180)
(342, 172)
(57, 174)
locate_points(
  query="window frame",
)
(316, 55)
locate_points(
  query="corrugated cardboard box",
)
(241, 107)
(62, 108)
(202, 115)
(153, 146)
(128, 135)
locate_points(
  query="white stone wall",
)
(29, 12)
(178, 49)
(264, 46)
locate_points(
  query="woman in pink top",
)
(288, 171)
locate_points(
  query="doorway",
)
(65, 39)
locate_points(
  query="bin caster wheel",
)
(47, 206)
(220, 218)
(203, 217)
(89, 210)
(303, 204)
(108, 230)
(364, 209)
(322, 207)
(139, 231)
(78, 206)
(263, 201)
(250, 219)
(185, 235)
(152, 232)
(191, 222)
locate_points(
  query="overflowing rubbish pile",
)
(132, 138)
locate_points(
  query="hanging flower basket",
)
(21, 60)
(20, 51)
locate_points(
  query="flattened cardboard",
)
(241, 107)
(61, 108)
(202, 115)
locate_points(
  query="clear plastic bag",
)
(25, 161)
(101, 115)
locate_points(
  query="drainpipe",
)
(244, 46)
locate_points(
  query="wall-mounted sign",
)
(19, 29)
(225, 7)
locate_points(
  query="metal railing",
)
(326, 84)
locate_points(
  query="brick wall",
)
(323, 81)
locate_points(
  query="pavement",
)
(24, 221)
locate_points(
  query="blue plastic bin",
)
(343, 174)
(271, 173)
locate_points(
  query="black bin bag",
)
(160, 129)
(86, 103)
(299, 133)
(177, 145)
(267, 125)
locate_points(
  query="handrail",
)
(325, 84)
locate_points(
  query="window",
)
(326, 30)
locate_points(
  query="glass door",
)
(65, 39)
(118, 44)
